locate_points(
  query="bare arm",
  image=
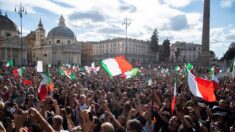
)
(44, 124)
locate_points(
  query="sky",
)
(95, 20)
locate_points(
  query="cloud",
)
(111, 30)
(94, 20)
(227, 3)
(177, 23)
(58, 2)
(177, 3)
(92, 15)
(126, 7)
(220, 39)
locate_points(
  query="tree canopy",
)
(229, 54)
(154, 40)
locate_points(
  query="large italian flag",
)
(201, 88)
(116, 66)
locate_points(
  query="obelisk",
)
(205, 55)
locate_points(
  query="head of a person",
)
(174, 123)
(82, 99)
(57, 122)
(217, 126)
(133, 126)
(1, 105)
(223, 103)
(107, 127)
(35, 127)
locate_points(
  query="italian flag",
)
(232, 68)
(9, 63)
(49, 82)
(174, 99)
(71, 75)
(116, 66)
(18, 72)
(61, 70)
(21, 71)
(177, 68)
(189, 66)
(42, 89)
(131, 73)
(26, 82)
(201, 88)
(75, 68)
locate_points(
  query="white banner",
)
(39, 66)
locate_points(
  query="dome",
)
(7, 24)
(61, 32)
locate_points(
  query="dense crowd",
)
(98, 103)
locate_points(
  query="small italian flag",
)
(177, 68)
(18, 72)
(21, 71)
(174, 99)
(189, 66)
(9, 63)
(116, 66)
(131, 73)
(42, 89)
(232, 68)
(71, 75)
(61, 70)
(26, 82)
(201, 88)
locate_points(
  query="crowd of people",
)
(98, 103)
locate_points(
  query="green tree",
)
(229, 54)
(154, 40)
(166, 47)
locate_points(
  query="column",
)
(11, 56)
(5, 54)
(205, 55)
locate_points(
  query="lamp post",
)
(20, 9)
(126, 22)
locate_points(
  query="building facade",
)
(59, 47)
(30, 41)
(10, 42)
(87, 53)
(185, 52)
(137, 52)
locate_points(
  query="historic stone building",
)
(10, 42)
(30, 42)
(137, 52)
(185, 52)
(87, 53)
(59, 47)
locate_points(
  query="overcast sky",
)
(94, 20)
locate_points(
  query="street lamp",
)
(20, 9)
(126, 22)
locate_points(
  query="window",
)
(69, 41)
(8, 34)
(57, 41)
